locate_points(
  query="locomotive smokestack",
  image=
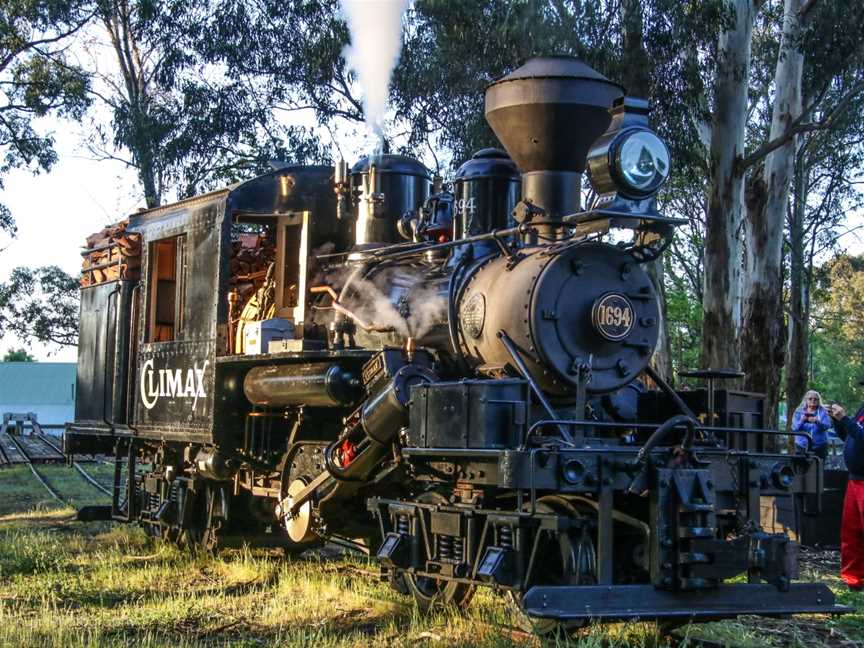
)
(547, 114)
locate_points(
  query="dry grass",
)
(64, 583)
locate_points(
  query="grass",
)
(66, 583)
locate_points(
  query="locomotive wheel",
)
(430, 593)
(202, 531)
(571, 559)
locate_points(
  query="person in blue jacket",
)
(851, 430)
(811, 417)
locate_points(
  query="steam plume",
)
(376, 38)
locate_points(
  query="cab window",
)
(167, 289)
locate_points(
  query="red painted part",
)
(852, 535)
(347, 452)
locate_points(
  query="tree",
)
(185, 124)
(826, 165)
(763, 328)
(40, 305)
(825, 190)
(36, 78)
(722, 289)
(838, 349)
(805, 26)
(453, 50)
(18, 355)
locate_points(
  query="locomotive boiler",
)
(454, 383)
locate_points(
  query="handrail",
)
(654, 426)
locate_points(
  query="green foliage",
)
(837, 346)
(41, 305)
(18, 355)
(453, 50)
(684, 314)
(831, 51)
(188, 120)
(36, 78)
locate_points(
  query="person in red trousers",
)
(851, 430)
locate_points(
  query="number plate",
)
(612, 316)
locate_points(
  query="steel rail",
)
(81, 470)
(90, 478)
(36, 474)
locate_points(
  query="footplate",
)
(620, 602)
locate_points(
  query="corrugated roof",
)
(36, 383)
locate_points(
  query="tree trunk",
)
(721, 302)
(799, 288)
(763, 335)
(118, 21)
(637, 80)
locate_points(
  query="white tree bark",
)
(722, 281)
(763, 335)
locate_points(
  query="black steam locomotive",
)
(453, 382)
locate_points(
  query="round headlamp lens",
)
(643, 162)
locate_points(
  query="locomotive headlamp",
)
(629, 161)
(641, 161)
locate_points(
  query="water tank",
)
(385, 187)
(486, 188)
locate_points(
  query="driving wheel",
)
(570, 558)
(430, 593)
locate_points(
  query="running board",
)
(621, 602)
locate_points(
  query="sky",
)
(56, 211)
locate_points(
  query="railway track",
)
(16, 450)
(77, 466)
(37, 448)
(30, 448)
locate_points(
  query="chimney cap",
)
(565, 67)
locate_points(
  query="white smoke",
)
(413, 309)
(376, 39)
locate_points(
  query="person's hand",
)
(837, 411)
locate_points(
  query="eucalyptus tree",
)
(827, 185)
(833, 88)
(183, 122)
(40, 305)
(37, 78)
(721, 303)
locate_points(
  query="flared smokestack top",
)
(548, 112)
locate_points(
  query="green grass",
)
(65, 583)
(21, 493)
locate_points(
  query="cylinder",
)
(381, 418)
(486, 191)
(212, 464)
(313, 385)
(387, 412)
(588, 306)
(385, 187)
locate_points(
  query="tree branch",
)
(797, 128)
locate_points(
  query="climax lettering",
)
(171, 383)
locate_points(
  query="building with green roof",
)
(44, 388)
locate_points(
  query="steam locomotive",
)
(453, 382)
